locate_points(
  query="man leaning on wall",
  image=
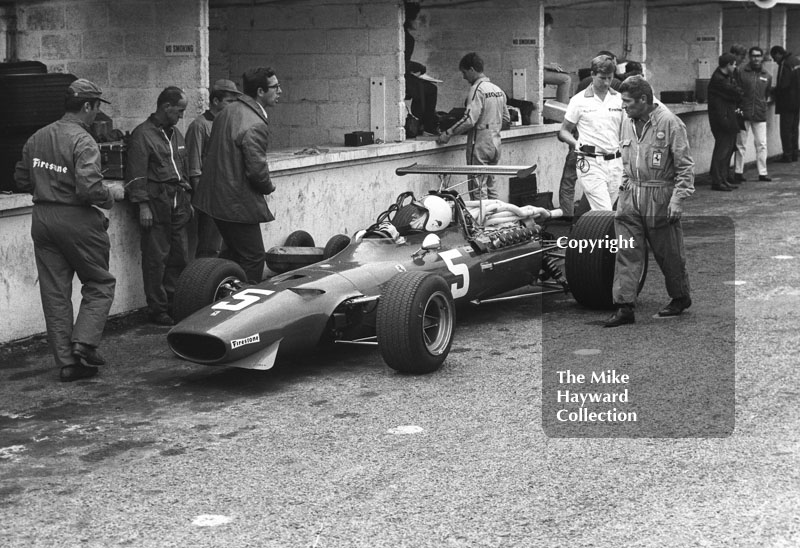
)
(60, 166)
(158, 183)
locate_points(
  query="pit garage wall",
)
(325, 55)
(121, 46)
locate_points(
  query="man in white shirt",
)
(597, 114)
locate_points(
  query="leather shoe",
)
(77, 372)
(722, 187)
(764, 178)
(162, 318)
(87, 353)
(622, 316)
(675, 307)
(739, 178)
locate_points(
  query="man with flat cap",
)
(221, 94)
(60, 166)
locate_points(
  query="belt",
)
(653, 183)
(591, 151)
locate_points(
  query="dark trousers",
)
(789, 123)
(642, 216)
(69, 240)
(209, 240)
(566, 188)
(245, 246)
(165, 253)
(423, 95)
(724, 146)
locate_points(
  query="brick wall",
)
(324, 54)
(120, 45)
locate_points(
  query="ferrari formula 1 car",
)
(395, 285)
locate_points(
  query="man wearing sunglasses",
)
(236, 177)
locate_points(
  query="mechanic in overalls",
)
(484, 117)
(658, 176)
(158, 183)
(60, 166)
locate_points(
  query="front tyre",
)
(203, 282)
(415, 322)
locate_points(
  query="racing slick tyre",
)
(299, 238)
(336, 244)
(205, 281)
(415, 322)
(283, 259)
(590, 275)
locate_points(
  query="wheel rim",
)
(227, 287)
(437, 323)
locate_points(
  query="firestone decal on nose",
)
(236, 343)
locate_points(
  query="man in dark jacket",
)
(60, 166)
(756, 84)
(157, 171)
(787, 100)
(236, 174)
(724, 97)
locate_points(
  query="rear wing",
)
(430, 169)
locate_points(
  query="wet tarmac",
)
(337, 450)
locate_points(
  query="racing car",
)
(395, 284)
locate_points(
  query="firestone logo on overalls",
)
(612, 244)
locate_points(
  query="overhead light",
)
(765, 4)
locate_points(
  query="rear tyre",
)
(335, 245)
(203, 282)
(415, 322)
(590, 275)
(299, 238)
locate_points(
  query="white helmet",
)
(439, 213)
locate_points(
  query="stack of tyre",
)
(32, 98)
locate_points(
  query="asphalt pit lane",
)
(783, 257)
(172, 452)
(211, 520)
(114, 449)
(345, 415)
(14, 364)
(369, 394)
(22, 375)
(406, 429)
(587, 352)
(735, 282)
